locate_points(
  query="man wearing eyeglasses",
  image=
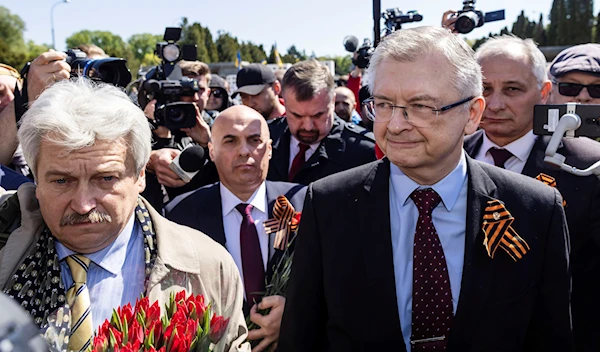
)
(514, 81)
(575, 75)
(440, 252)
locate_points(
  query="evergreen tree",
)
(554, 17)
(598, 28)
(539, 33)
(227, 47)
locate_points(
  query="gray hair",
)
(307, 79)
(509, 45)
(409, 45)
(74, 114)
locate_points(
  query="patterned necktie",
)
(78, 298)
(252, 262)
(431, 297)
(500, 156)
(298, 161)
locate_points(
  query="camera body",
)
(470, 18)
(394, 18)
(109, 70)
(167, 85)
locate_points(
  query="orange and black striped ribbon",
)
(550, 181)
(499, 233)
(283, 222)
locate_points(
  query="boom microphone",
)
(187, 164)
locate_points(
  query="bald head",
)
(240, 147)
(345, 102)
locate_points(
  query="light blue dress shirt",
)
(449, 219)
(116, 274)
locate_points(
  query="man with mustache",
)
(86, 237)
(514, 81)
(240, 147)
(311, 142)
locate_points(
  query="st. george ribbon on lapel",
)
(283, 223)
(550, 181)
(499, 233)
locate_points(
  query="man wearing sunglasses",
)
(514, 81)
(575, 75)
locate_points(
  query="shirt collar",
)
(447, 188)
(229, 200)
(296, 143)
(520, 148)
(113, 256)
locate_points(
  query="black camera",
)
(167, 85)
(394, 18)
(109, 70)
(470, 17)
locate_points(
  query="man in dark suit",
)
(515, 80)
(441, 252)
(311, 142)
(240, 147)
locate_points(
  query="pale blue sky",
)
(312, 25)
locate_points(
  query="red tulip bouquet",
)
(186, 326)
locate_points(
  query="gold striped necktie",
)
(78, 298)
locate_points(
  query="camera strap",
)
(21, 98)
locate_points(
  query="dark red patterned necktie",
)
(431, 297)
(298, 161)
(252, 262)
(500, 156)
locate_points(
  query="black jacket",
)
(346, 146)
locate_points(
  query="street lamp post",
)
(52, 20)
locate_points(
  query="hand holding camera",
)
(46, 69)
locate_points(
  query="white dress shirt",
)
(232, 220)
(295, 148)
(520, 150)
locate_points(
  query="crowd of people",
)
(427, 219)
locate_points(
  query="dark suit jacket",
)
(342, 293)
(582, 195)
(11, 180)
(202, 211)
(346, 146)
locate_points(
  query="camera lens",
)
(466, 22)
(175, 114)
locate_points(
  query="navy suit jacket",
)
(582, 209)
(11, 180)
(342, 293)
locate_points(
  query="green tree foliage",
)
(597, 29)
(251, 52)
(142, 44)
(112, 44)
(227, 47)
(343, 64)
(12, 45)
(571, 22)
(293, 55)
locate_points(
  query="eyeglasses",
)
(418, 115)
(573, 89)
(216, 93)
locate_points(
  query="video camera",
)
(394, 18)
(167, 85)
(569, 120)
(470, 17)
(108, 70)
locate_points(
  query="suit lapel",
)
(535, 162)
(373, 212)
(281, 153)
(210, 216)
(473, 143)
(478, 267)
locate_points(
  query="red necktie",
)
(500, 156)
(431, 297)
(298, 162)
(252, 262)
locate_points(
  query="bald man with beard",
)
(240, 147)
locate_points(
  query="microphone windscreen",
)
(351, 43)
(192, 159)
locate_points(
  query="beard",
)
(307, 137)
